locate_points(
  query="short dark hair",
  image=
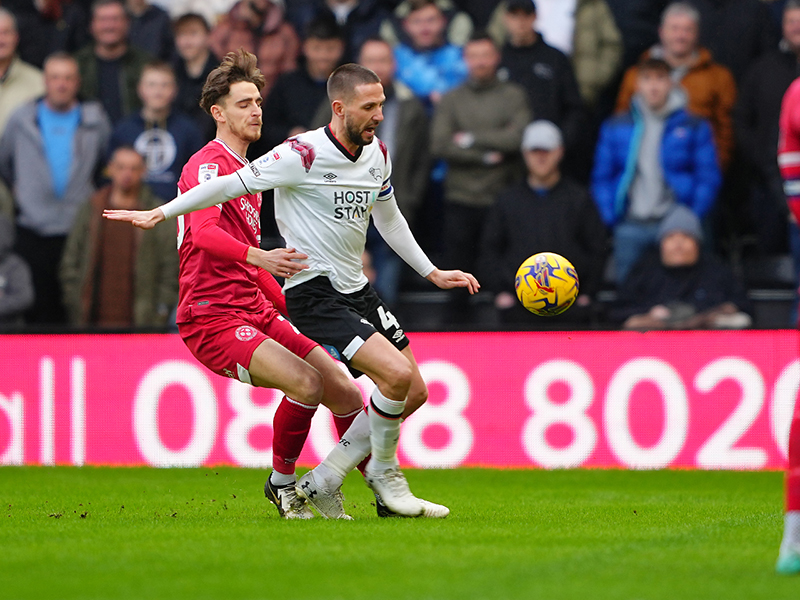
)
(325, 28)
(190, 18)
(344, 80)
(526, 6)
(414, 5)
(481, 35)
(125, 148)
(650, 65)
(237, 66)
(101, 3)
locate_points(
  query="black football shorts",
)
(339, 322)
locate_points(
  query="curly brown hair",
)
(237, 66)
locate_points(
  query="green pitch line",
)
(210, 533)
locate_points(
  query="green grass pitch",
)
(533, 534)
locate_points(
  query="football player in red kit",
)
(227, 309)
(789, 162)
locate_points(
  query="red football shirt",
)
(210, 284)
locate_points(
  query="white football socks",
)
(384, 431)
(348, 453)
(281, 479)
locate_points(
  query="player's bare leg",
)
(789, 556)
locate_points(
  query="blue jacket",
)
(438, 70)
(688, 159)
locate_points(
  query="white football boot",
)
(430, 510)
(328, 502)
(392, 487)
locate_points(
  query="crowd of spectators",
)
(636, 137)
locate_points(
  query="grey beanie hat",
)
(681, 219)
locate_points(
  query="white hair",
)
(681, 8)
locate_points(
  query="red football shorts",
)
(225, 343)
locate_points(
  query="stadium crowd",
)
(515, 126)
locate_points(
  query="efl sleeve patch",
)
(267, 159)
(207, 171)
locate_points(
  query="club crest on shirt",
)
(376, 173)
(245, 333)
(207, 172)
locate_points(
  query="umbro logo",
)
(365, 322)
(329, 177)
(397, 335)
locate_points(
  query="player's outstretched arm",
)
(453, 279)
(215, 191)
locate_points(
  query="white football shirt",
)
(323, 200)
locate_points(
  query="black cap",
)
(524, 5)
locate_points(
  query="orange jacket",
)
(712, 94)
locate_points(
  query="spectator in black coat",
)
(755, 121)
(681, 286)
(48, 27)
(151, 29)
(736, 31)
(638, 22)
(547, 76)
(547, 212)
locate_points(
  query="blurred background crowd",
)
(635, 137)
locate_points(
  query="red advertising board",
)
(707, 400)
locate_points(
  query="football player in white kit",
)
(328, 182)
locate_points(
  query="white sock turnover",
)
(384, 431)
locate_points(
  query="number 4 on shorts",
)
(388, 320)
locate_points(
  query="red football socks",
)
(290, 426)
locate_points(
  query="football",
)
(547, 284)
